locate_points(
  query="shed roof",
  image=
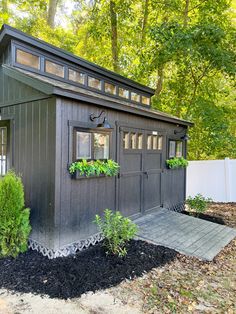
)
(7, 33)
(50, 86)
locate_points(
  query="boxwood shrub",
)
(14, 218)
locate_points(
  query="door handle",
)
(146, 173)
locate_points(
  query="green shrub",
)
(95, 167)
(177, 162)
(14, 218)
(198, 204)
(117, 231)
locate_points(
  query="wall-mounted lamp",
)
(105, 124)
(185, 137)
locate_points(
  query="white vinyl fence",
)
(212, 178)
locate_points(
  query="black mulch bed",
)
(89, 270)
(217, 220)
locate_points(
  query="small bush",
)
(177, 162)
(117, 231)
(198, 204)
(14, 218)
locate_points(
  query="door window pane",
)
(83, 145)
(179, 149)
(94, 83)
(154, 141)
(133, 141)
(160, 142)
(3, 151)
(140, 141)
(135, 97)
(76, 76)
(28, 59)
(54, 68)
(101, 146)
(110, 88)
(123, 93)
(171, 149)
(126, 140)
(149, 142)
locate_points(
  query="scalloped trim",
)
(66, 250)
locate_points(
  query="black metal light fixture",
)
(105, 124)
(184, 137)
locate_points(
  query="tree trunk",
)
(186, 9)
(160, 77)
(144, 25)
(4, 6)
(114, 37)
(52, 9)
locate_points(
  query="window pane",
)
(145, 100)
(54, 68)
(140, 141)
(160, 141)
(110, 88)
(94, 83)
(135, 97)
(76, 76)
(149, 142)
(126, 140)
(3, 151)
(83, 145)
(27, 59)
(123, 93)
(171, 149)
(154, 142)
(101, 146)
(133, 140)
(179, 149)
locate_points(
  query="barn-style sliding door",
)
(140, 158)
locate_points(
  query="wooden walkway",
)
(188, 235)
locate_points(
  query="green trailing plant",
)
(117, 231)
(177, 162)
(95, 167)
(14, 218)
(198, 203)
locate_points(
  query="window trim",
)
(91, 131)
(175, 140)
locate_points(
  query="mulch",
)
(217, 220)
(89, 270)
(221, 213)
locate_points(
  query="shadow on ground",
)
(211, 218)
(89, 270)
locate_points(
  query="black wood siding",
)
(33, 131)
(77, 201)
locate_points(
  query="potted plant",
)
(94, 168)
(176, 163)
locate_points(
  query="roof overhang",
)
(52, 87)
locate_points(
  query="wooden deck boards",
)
(188, 235)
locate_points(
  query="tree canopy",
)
(185, 49)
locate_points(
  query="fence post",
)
(227, 179)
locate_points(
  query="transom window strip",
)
(134, 140)
(3, 151)
(33, 60)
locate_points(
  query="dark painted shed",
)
(47, 97)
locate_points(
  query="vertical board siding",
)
(80, 200)
(34, 151)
